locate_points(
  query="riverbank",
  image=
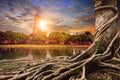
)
(15, 59)
(41, 46)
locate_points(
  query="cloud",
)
(82, 29)
(84, 21)
(20, 13)
(92, 16)
(17, 14)
(14, 28)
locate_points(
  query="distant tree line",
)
(84, 38)
(10, 37)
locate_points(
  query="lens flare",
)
(43, 25)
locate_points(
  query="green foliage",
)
(88, 33)
(85, 37)
(39, 37)
(59, 37)
(9, 35)
(89, 36)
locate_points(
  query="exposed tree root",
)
(73, 71)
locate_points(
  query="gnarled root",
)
(69, 71)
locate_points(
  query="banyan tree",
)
(101, 59)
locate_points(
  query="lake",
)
(36, 53)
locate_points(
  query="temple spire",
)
(36, 23)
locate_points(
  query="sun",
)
(43, 25)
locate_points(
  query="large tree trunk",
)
(106, 23)
(102, 55)
(106, 33)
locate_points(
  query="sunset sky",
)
(70, 15)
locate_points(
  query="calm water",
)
(35, 53)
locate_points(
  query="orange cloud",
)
(83, 29)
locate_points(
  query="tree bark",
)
(106, 23)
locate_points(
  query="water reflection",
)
(35, 53)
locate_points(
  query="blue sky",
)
(18, 15)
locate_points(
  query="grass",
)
(12, 64)
(8, 66)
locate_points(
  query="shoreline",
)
(41, 46)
